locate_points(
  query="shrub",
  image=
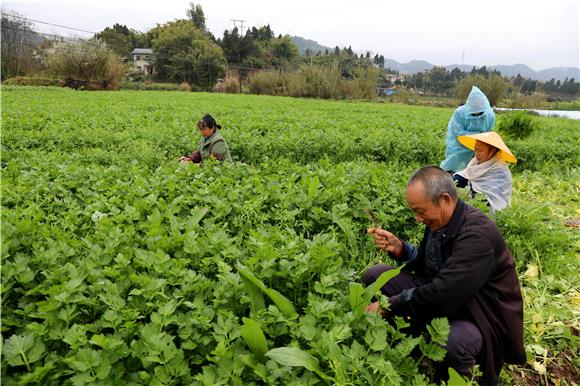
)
(402, 96)
(364, 84)
(32, 81)
(88, 63)
(516, 125)
(149, 86)
(316, 81)
(523, 101)
(116, 72)
(230, 85)
(134, 74)
(265, 82)
(184, 86)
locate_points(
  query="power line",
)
(52, 24)
(32, 33)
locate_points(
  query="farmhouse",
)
(394, 77)
(143, 60)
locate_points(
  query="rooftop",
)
(142, 51)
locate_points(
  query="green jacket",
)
(217, 146)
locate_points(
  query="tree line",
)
(441, 81)
(185, 51)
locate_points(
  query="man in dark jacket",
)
(462, 270)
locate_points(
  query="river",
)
(548, 113)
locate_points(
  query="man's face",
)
(435, 217)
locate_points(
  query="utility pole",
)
(209, 74)
(241, 25)
(20, 54)
(239, 59)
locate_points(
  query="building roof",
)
(142, 51)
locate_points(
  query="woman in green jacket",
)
(211, 145)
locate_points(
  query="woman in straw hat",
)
(487, 173)
(475, 116)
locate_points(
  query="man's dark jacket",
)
(478, 282)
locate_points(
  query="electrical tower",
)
(241, 25)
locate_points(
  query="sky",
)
(539, 33)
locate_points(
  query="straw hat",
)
(491, 138)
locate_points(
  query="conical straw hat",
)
(491, 138)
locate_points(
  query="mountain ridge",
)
(414, 66)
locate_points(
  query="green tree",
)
(456, 74)
(118, 41)
(244, 50)
(263, 33)
(550, 86)
(122, 40)
(483, 71)
(259, 48)
(570, 86)
(284, 50)
(439, 80)
(195, 14)
(381, 61)
(529, 86)
(184, 53)
(493, 87)
(231, 44)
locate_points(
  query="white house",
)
(143, 60)
(393, 78)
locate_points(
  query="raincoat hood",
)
(476, 102)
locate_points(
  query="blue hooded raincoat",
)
(462, 122)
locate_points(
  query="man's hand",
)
(386, 241)
(375, 307)
(184, 159)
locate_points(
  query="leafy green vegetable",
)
(292, 356)
(254, 337)
(119, 266)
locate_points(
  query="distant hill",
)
(411, 67)
(558, 73)
(304, 44)
(414, 66)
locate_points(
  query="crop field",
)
(122, 267)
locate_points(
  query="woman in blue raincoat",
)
(475, 116)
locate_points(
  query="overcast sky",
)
(538, 33)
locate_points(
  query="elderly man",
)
(462, 270)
